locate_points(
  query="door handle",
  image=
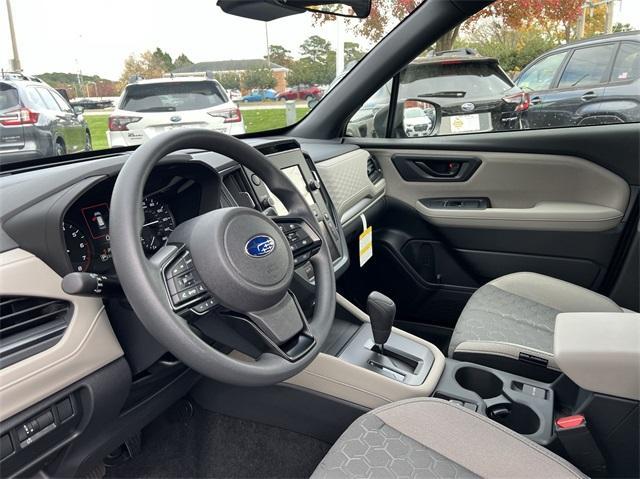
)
(590, 95)
(536, 100)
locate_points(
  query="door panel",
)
(523, 191)
(560, 212)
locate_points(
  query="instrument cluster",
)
(169, 199)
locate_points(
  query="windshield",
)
(117, 75)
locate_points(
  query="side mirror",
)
(419, 118)
(312, 103)
(78, 110)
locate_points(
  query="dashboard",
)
(60, 224)
(173, 195)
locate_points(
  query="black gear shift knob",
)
(382, 312)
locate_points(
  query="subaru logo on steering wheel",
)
(260, 246)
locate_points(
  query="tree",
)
(258, 78)
(163, 58)
(622, 27)
(280, 55)
(182, 61)
(315, 48)
(229, 80)
(352, 52)
(146, 65)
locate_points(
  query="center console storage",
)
(521, 404)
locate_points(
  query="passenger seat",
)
(509, 323)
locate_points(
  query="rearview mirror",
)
(267, 10)
(419, 118)
(312, 103)
(78, 110)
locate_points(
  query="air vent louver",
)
(373, 170)
(29, 325)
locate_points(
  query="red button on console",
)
(570, 422)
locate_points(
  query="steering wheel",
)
(236, 258)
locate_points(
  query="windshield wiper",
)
(445, 94)
(158, 108)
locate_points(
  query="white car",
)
(416, 122)
(147, 108)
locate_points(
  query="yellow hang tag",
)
(366, 243)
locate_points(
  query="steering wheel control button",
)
(205, 306)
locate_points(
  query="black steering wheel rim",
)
(144, 287)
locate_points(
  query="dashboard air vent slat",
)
(373, 170)
(29, 325)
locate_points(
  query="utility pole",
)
(339, 45)
(266, 34)
(15, 61)
(608, 23)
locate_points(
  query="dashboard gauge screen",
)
(97, 219)
(78, 247)
(158, 224)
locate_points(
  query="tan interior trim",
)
(335, 377)
(506, 350)
(542, 216)
(600, 352)
(87, 345)
(527, 191)
(346, 180)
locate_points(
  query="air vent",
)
(373, 170)
(238, 187)
(29, 325)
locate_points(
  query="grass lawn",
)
(254, 120)
(98, 127)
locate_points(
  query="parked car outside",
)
(234, 94)
(260, 95)
(37, 122)
(571, 85)
(301, 92)
(92, 103)
(147, 108)
(473, 91)
(416, 121)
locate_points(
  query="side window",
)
(541, 74)
(627, 64)
(48, 99)
(34, 99)
(62, 103)
(587, 66)
(370, 120)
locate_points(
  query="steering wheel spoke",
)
(234, 260)
(303, 239)
(184, 288)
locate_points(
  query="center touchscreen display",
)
(294, 173)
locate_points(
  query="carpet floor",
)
(213, 445)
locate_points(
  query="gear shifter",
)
(382, 312)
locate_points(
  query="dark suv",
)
(574, 85)
(475, 93)
(37, 122)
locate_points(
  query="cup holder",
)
(483, 383)
(517, 417)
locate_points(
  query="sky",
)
(96, 37)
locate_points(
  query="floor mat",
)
(213, 445)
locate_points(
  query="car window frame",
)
(611, 81)
(556, 76)
(66, 106)
(603, 79)
(42, 91)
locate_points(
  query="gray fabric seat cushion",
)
(516, 314)
(432, 438)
